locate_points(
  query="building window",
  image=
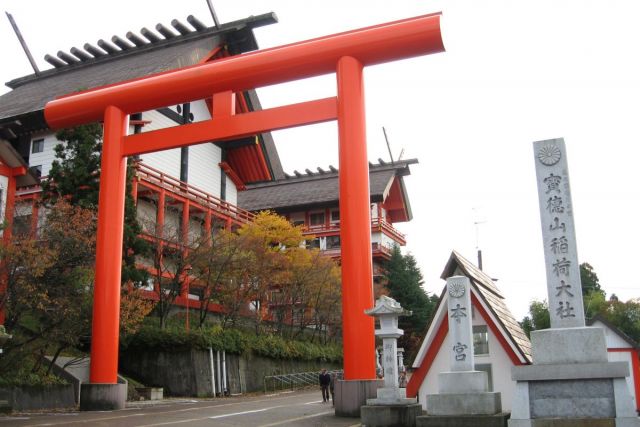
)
(486, 367)
(333, 242)
(313, 244)
(36, 170)
(37, 146)
(335, 216)
(298, 223)
(316, 219)
(480, 340)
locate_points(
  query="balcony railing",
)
(377, 225)
(153, 176)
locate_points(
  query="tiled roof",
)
(492, 297)
(317, 188)
(31, 93)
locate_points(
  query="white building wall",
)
(167, 161)
(500, 368)
(4, 185)
(232, 192)
(47, 156)
(204, 172)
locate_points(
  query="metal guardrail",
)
(295, 381)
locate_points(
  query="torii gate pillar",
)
(344, 54)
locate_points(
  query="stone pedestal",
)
(496, 420)
(350, 395)
(102, 397)
(390, 415)
(570, 381)
(463, 393)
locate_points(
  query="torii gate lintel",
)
(345, 54)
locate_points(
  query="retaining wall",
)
(188, 373)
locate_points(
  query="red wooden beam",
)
(227, 127)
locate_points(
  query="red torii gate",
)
(345, 54)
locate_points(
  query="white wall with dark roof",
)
(232, 192)
(47, 156)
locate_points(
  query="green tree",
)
(538, 317)
(404, 283)
(625, 316)
(589, 279)
(75, 176)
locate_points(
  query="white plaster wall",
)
(4, 185)
(167, 161)
(204, 172)
(500, 368)
(613, 339)
(387, 241)
(232, 192)
(430, 382)
(47, 156)
(376, 238)
(200, 111)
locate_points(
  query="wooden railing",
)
(154, 176)
(376, 225)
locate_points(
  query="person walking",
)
(325, 380)
(332, 386)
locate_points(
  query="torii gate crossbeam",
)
(345, 54)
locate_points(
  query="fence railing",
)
(295, 381)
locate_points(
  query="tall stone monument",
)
(391, 407)
(570, 382)
(463, 397)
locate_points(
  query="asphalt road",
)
(302, 408)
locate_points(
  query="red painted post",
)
(355, 224)
(9, 209)
(106, 299)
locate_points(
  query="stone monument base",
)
(350, 395)
(495, 420)
(390, 415)
(571, 381)
(102, 397)
(478, 403)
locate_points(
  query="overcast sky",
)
(514, 72)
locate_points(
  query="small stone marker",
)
(558, 234)
(462, 391)
(460, 329)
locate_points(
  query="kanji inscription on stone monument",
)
(460, 329)
(558, 234)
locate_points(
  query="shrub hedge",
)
(232, 341)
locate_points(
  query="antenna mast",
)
(476, 224)
(23, 43)
(213, 14)
(388, 145)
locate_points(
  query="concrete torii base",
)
(102, 397)
(350, 395)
